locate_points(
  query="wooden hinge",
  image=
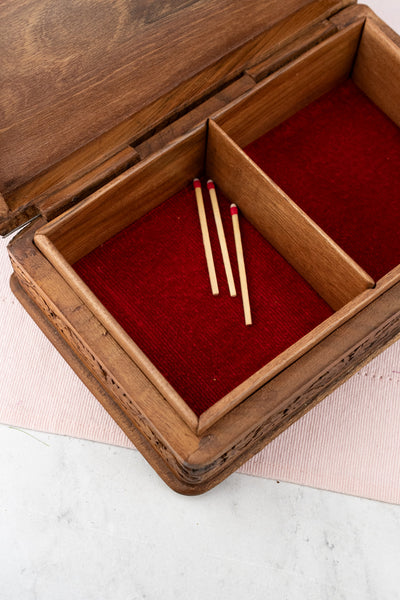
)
(313, 36)
(3, 208)
(59, 189)
(194, 117)
(52, 205)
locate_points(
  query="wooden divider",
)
(314, 255)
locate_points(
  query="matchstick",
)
(206, 237)
(242, 269)
(221, 237)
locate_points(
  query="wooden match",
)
(206, 237)
(221, 237)
(240, 260)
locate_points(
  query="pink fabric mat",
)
(349, 443)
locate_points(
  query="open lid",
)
(71, 71)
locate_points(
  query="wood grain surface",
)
(55, 204)
(316, 34)
(292, 87)
(128, 197)
(378, 59)
(72, 71)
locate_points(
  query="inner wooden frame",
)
(362, 53)
(296, 237)
(131, 195)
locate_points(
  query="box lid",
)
(71, 71)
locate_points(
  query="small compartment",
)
(152, 277)
(338, 157)
(134, 254)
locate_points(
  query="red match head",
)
(234, 209)
(210, 184)
(196, 183)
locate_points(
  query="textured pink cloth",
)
(349, 443)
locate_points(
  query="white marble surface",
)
(86, 521)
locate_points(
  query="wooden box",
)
(111, 110)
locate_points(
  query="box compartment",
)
(152, 278)
(338, 157)
(149, 283)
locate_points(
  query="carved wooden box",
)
(294, 114)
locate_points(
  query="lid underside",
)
(71, 71)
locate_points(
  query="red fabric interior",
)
(339, 159)
(153, 278)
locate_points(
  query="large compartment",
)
(134, 254)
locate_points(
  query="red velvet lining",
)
(153, 278)
(339, 159)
